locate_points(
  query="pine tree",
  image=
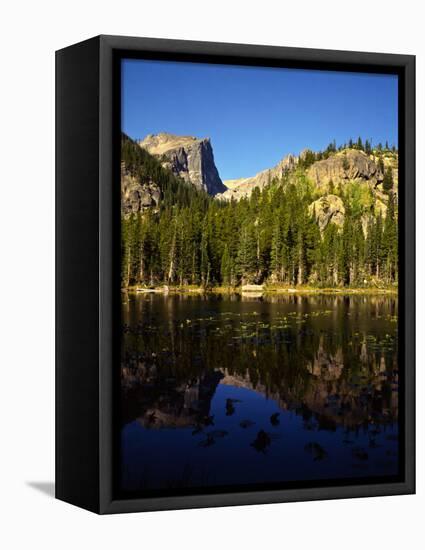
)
(205, 268)
(247, 254)
(389, 240)
(273, 235)
(368, 147)
(125, 253)
(226, 267)
(387, 183)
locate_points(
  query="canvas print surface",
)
(259, 275)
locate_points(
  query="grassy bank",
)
(266, 289)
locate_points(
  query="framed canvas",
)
(235, 280)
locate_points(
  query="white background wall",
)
(30, 31)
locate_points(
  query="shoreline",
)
(305, 290)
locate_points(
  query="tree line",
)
(308, 157)
(270, 237)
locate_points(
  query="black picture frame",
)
(87, 273)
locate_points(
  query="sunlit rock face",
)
(339, 169)
(135, 196)
(328, 209)
(188, 157)
(344, 166)
(243, 187)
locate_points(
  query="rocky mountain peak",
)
(243, 187)
(339, 168)
(188, 157)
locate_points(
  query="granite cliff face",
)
(347, 165)
(188, 157)
(328, 176)
(243, 187)
(191, 160)
(135, 196)
(328, 209)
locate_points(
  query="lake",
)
(238, 390)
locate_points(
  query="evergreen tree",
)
(246, 260)
(271, 236)
(387, 183)
(389, 241)
(205, 268)
(226, 267)
(367, 147)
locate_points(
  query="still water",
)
(235, 390)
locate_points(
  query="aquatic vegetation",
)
(359, 453)
(230, 408)
(316, 450)
(246, 424)
(218, 433)
(274, 419)
(207, 442)
(261, 442)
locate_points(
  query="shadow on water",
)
(242, 390)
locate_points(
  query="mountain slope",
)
(238, 188)
(324, 219)
(339, 168)
(146, 184)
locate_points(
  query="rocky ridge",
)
(188, 157)
(192, 160)
(243, 187)
(344, 166)
(349, 165)
(329, 176)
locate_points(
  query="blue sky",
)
(255, 115)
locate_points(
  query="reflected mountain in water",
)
(165, 402)
(192, 367)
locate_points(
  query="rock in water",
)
(189, 157)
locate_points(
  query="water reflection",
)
(240, 390)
